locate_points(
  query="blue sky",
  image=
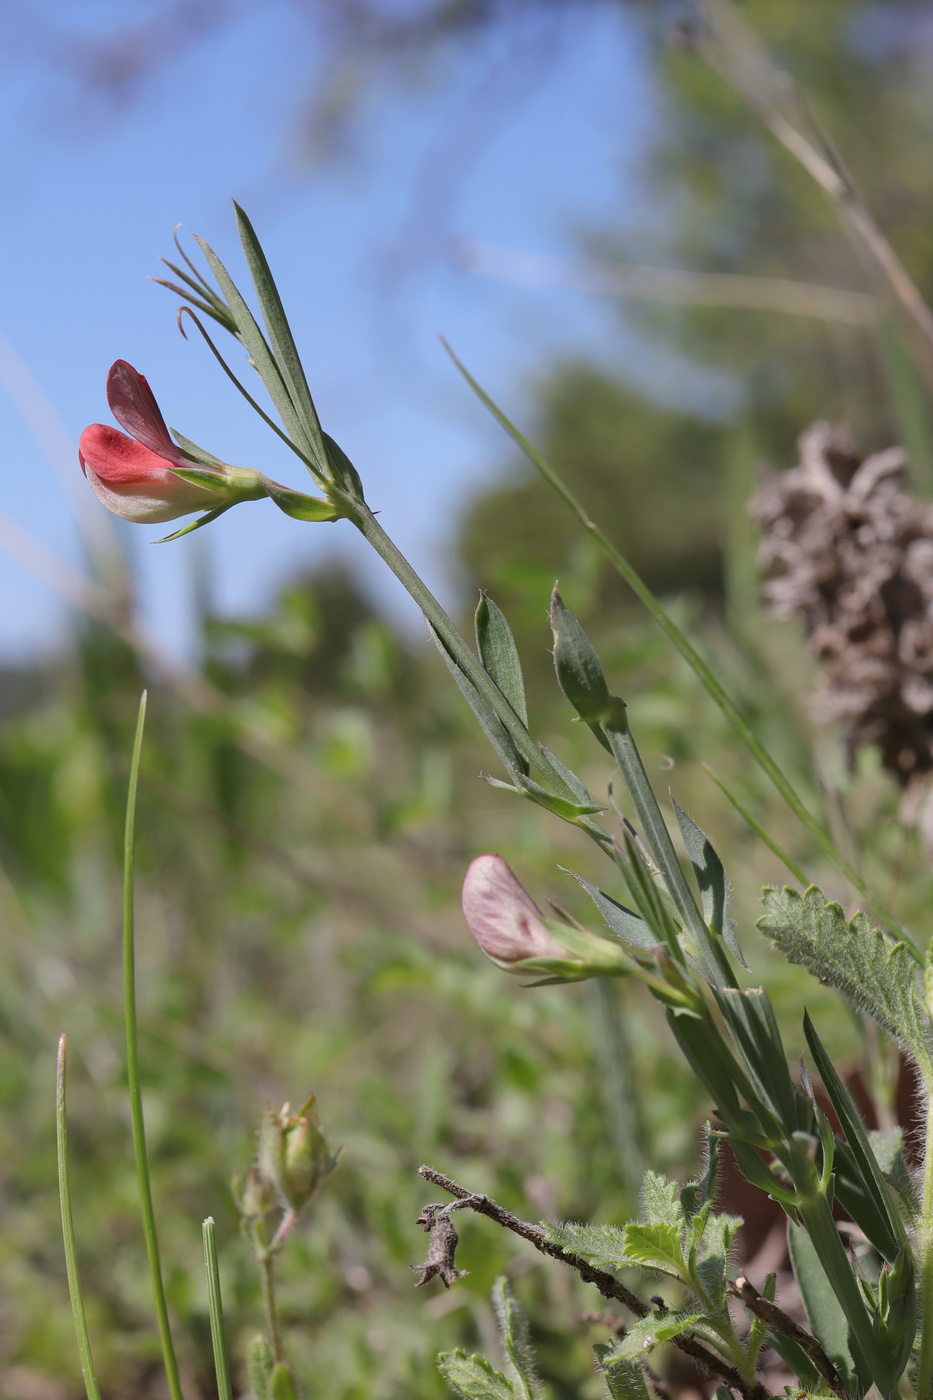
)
(522, 147)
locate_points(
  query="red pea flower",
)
(136, 476)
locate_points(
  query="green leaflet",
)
(867, 966)
(499, 654)
(473, 1377)
(827, 1319)
(603, 1245)
(649, 1332)
(513, 1329)
(625, 1380)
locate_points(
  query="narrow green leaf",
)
(621, 920)
(712, 881)
(888, 1150)
(579, 670)
(827, 1319)
(252, 337)
(756, 827)
(883, 1226)
(866, 965)
(625, 1380)
(749, 1016)
(473, 1377)
(573, 786)
(193, 525)
(513, 1330)
(132, 1066)
(280, 337)
(216, 1311)
(701, 945)
(499, 654)
(560, 806)
(489, 722)
(68, 1231)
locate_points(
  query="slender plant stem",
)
(670, 629)
(757, 828)
(266, 1262)
(132, 1067)
(925, 1365)
(216, 1310)
(68, 1231)
(459, 648)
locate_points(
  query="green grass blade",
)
(132, 1066)
(68, 1232)
(684, 646)
(758, 829)
(216, 1310)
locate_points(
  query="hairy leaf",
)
(649, 1332)
(867, 966)
(603, 1245)
(625, 1380)
(513, 1329)
(473, 1377)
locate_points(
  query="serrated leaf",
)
(650, 1332)
(603, 1245)
(657, 1247)
(513, 1329)
(499, 654)
(715, 889)
(661, 1200)
(867, 966)
(622, 921)
(473, 1377)
(625, 1380)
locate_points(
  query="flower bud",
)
(252, 1193)
(294, 1157)
(512, 932)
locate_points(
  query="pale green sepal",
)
(299, 506)
(343, 468)
(194, 525)
(207, 477)
(622, 921)
(191, 449)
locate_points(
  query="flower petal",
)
(133, 405)
(134, 482)
(502, 916)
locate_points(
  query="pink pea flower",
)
(503, 918)
(133, 475)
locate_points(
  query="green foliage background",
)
(298, 923)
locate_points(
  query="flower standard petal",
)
(134, 406)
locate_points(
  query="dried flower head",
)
(851, 552)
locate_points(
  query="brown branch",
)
(608, 1286)
(779, 1321)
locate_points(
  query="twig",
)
(608, 1286)
(779, 1321)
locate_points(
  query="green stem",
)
(216, 1310)
(266, 1260)
(925, 1241)
(687, 651)
(364, 520)
(132, 1068)
(613, 1051)
(68, 1231)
